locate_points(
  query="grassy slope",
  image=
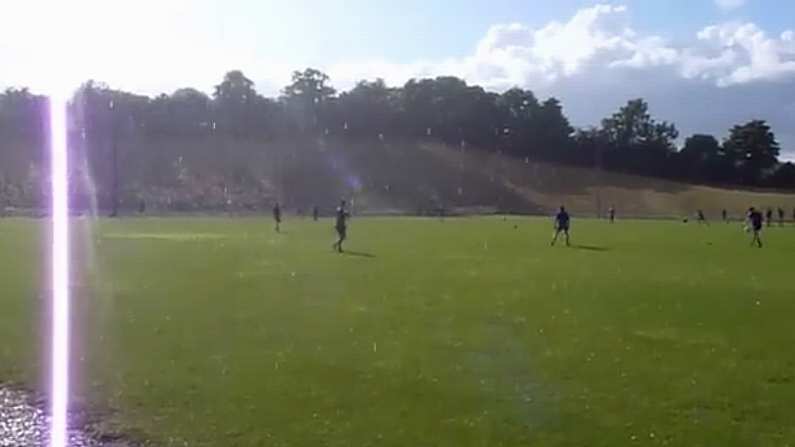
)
(395, 175)
(587, 190)
(467, 332)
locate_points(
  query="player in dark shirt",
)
(315, 213)
(702, 219)
(780, 216)
(277, 215)
(769, 217)
(341, 225)
(755, 225)
(562, 223)
(725, 215)
(611, 214)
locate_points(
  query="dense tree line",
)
(515, 123)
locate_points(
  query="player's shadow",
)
(589, 247)
(358, 254)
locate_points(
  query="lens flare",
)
(59, 399)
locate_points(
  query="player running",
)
(562, 223)
(702, 219)
(341, 225)
(755, 225)
(277, 216)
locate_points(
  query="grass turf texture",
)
(464, 332)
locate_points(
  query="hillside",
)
(590, 191)
(382, 176)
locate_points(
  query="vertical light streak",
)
(59, 399)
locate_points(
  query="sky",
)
(703, 64)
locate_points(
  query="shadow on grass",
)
(358, 254)
(589, 247)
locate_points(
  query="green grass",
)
(464, 332)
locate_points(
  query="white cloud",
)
(729, 5)
(740, 53)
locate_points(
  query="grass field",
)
(472, 331)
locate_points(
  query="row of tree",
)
(515, 122)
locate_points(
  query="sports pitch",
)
(471, 331)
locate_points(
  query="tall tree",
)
(235, 100)
(520, 110)
(700, 148)
(308, 97)
(699, 157)
(633, 125)
(753, 148)
(105, 117)
(638, 143)
(784, 176)
(22, 114)
(370, 108)
(554, 131)
(448, 109)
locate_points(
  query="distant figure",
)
(341, 225)
(769, 217)
(315, 213)
(141, 206)
(277, 216)
(562, 221)
(755, 225)
(611, 214)
(780, 216)
(702, 219)
(724, 215)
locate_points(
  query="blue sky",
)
(415, 29)
(704, 64)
